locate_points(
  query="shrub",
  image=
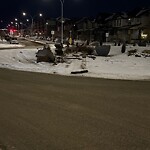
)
(146, 51)
(132, 52)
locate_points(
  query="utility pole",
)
(62, 19)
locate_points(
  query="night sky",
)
(9, 9)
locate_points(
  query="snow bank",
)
(115, 66)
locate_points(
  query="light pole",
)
(21, 28)
(17, 25)
(32, 20)
(46, 32)
(62, 19)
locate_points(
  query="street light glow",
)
(32, 19)
(24, 14)
(40, 15)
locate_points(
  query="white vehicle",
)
(14, 41)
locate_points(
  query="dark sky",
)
(9, 9)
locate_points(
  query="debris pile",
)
(136, 53)
(68, 53)
(45, 55)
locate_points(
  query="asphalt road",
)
(51, 112)
(29, 44)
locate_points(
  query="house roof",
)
(138, 12)
(143, 11)
(85, 19)
(102, 16)
(110, 17)
(64, 19)
(133, 12)
(117, 15)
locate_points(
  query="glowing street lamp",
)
(24, 14)
(32, 20)
(16, 24)
(41, 15)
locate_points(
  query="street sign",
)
(52, 32)
(107, 34)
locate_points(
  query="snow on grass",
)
(115, 66)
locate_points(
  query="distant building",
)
(133, 26)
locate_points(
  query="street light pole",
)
(32, 20)
(31, 25)
(62, 19)
(17, 25)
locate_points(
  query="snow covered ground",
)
(5, 44)
(115, 66)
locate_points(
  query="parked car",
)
(14, 40)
